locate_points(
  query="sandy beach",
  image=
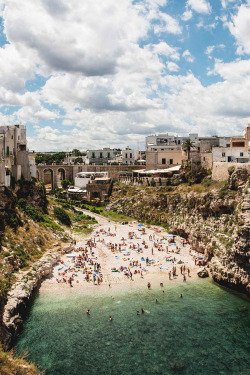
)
(129, 256)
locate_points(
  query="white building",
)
(230, 154)
(104, 156)
(14, 160)
(130, 156)
(82, 179)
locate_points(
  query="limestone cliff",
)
(216, 221)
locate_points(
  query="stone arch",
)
(60, 175)
(48, 179)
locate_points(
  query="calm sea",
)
(206, 332)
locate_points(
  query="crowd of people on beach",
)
(134, 252)
(115, 253)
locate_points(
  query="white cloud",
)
(187, 15)
(233, 71)
(165, 49)
(210, 49)
(167, 24)
(86, 37)
(225, 3)
(187, 56)
(106, 79)
(200, 6)
(240, 28)
(172, 67)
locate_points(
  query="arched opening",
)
(48, 179)
(60, 176)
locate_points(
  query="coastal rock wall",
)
(216, 223)
(21, 292)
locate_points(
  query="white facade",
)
(82, 179)
(230, 154)
(163, 142)
(104, 156)
(14, 161)
(130, 156)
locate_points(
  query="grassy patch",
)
(115, 216)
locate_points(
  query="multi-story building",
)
(104, 156)
(14, 159)
(165, 159)
(237, 149)
(130, 156)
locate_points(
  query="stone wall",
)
(207, 160)
(220, 169)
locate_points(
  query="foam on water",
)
(205, 333)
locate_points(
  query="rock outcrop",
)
(19, 296)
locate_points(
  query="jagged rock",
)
(22, 290)
(238, 178)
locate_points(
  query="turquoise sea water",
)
(206, 332)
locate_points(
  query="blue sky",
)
(107, 73)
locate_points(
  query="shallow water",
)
(203, 333)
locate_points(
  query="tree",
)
(76, 152)
(187, 145)
(65, 183)
(78, 161)
(62, 216)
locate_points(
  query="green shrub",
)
(22, 203)
(231, 170)
(49, 223)
(62, 216)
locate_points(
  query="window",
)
(204, 158)
(241, 154)
(108, 154)
(170, 161)
(163, 161)
(7, 150)
(126, 156)
(100, 155)
(223, 154)
(93, 155)
(131, 155)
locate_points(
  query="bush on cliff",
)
(62, 216)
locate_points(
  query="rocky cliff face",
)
(217, 223)
(19, 296)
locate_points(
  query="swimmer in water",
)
(163, 291)
(112, 298)
(156, 301)
(137, 312)
(110, 318)
(142, 310)
(181, 296)
(149, 285)
(161, 284)
(88, 312)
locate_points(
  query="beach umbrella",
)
(140, 225)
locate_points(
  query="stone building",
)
(103, 156)
(164, 159)
(14, 158)
(130, 156)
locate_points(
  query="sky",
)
(106, 73)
